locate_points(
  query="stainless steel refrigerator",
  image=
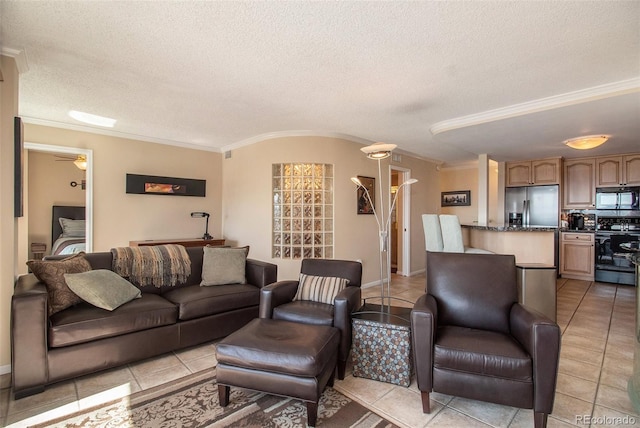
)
(537, 204)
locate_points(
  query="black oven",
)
(611, 262)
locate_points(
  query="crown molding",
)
(113, 133)
(563, 100)
(473, 164)
(19, 55)
(296, 133)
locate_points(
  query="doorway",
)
(400, 222)
(73, 151)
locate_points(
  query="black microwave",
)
(617, 198)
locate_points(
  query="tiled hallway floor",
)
(597, 322)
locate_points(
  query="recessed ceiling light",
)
(92, 119)
(587, 142)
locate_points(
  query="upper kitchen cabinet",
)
(579, 183)
(533, 173)
(615, 171)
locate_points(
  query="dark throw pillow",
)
(51, 272)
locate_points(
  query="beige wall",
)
(247, 199)
(119, 217)
(8, 224)
(454, 179)
(49, 180)
(466, 178)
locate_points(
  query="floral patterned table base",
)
(382, 352)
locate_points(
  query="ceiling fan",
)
(80, 161)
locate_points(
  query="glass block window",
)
(302, 210)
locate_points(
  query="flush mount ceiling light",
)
(92, 119)
(587, 142)
(378, 150)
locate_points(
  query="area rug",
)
(193, 402)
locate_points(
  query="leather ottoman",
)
(281, 358)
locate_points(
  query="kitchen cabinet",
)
(577, 255)
(579, 183)
(534, 172)
(615, 171)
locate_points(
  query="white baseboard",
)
(370, 284)
(377, 283)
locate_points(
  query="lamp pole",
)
(379, 152)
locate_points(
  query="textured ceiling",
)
(445, 80)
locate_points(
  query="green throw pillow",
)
(102, 288)
(323, 289)
(222, 265)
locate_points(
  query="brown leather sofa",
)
(471, 338)
(84, 339)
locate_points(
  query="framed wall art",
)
(364, 205)
(171, 186)
(458, 198)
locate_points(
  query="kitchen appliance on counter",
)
(617, 198)
(537, 204)
(580, 221)
(576, 221)
(611, 264)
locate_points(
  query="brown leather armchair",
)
(471, 338)
(276, 302)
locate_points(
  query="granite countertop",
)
(566, 229)
(510, 228)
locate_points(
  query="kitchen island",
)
(529, 244)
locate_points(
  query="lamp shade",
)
(378, 150)
(587, 142)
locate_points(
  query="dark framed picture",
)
(18, 166)
(366, 204)
(156, 185)
(458, 198)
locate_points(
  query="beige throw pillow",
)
(102, 288)
(51, 272)
(221, 265)
(323, 289)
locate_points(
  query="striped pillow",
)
(321, 289)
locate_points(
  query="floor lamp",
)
(378, 152)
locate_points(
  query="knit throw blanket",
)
(159, 265)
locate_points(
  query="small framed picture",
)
(366, 204)
(457, 198)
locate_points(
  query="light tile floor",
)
(597, 321)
